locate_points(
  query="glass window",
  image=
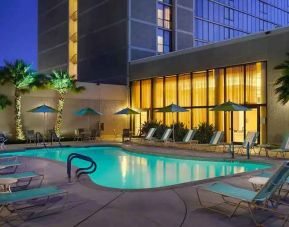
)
(199, 89)
(146, 94)
(164, 41)
(184, 90)
(135, 90)
(158, 86)
(199, 115)
(185, 118)
(235, 84)
(170, 90)
(255, 83)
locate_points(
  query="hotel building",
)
(129, 42)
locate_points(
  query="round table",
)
(5, 184)
(258, 182)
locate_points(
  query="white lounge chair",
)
(150, 134)
(188, 138)
(251, 139)
(165, 137)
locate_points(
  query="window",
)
(164, 41)
(164, 16)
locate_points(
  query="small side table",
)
(258, 182)
(5, 184)
(266, 148)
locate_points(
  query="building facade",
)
(95, 39)
(239, 70)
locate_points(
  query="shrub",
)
(149, 124)
(180, 131)
(204, 132)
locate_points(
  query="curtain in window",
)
(199, 115)
(212, 88)
(158, 92)
(184, 90)
(135, 97)
(199, 89)
(170, 90)
(146, 94)
(255, 83)
(185, 118)
(235, 84)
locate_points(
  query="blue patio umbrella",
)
(43, 109)
(173, 108)
(126, 111)
(87, 111)
(230, 107)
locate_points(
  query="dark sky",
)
(18, 30)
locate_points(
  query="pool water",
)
(118, 168)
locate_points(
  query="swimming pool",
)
(118, 168)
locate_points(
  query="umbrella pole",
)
(44, 122)
(232, 131)
(173, 127)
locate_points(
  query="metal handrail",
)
(80, 171)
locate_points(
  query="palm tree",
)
(282, 83)
(62, 83)
(4, 102)
(24, 80)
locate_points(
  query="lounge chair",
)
(188, 138)
(165, 137)
(78, 134)
(24, 179)
(30, 136)
(54, 137)
(40, 199)
(251, 139)
(150, 134)
(216, 139)
(283, 148)
(268, 194)
(9, 163)
(3, 139)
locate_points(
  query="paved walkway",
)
(93, 206)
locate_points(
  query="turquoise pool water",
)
(117, 168)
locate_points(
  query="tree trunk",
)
(58, 123)
(18, 120)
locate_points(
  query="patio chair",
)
(283, 148)
(268, 194)
(165, 137)
(54, 137)
(24, 179)
(30, 136)
(9, 163)
(150, 134)
(126, 135)
(33, 202)
(216, 139)
(251, 139)
(188, 138)
(3, 139)
(78, 134)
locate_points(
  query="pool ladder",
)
(80, 171)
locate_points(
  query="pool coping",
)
(86, 181)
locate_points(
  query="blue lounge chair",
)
(269, 193)
(24, 179)
(18, 203)
(9, 164)
(283, 148)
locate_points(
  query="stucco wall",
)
(270, 47)
(104, 98)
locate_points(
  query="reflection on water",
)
(120, 169)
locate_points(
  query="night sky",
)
(18, 31)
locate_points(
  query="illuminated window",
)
(235, 84)
(158, 86)
(170, 97)
(184, 90)
(164, 41)
(135, 98)
(72, 46)
(146, 94)
(199, 89)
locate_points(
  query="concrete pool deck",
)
(171, 207)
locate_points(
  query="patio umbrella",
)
(126, 111)
(43, 109)
(173, 108)
(230, 107)
(87, 112)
